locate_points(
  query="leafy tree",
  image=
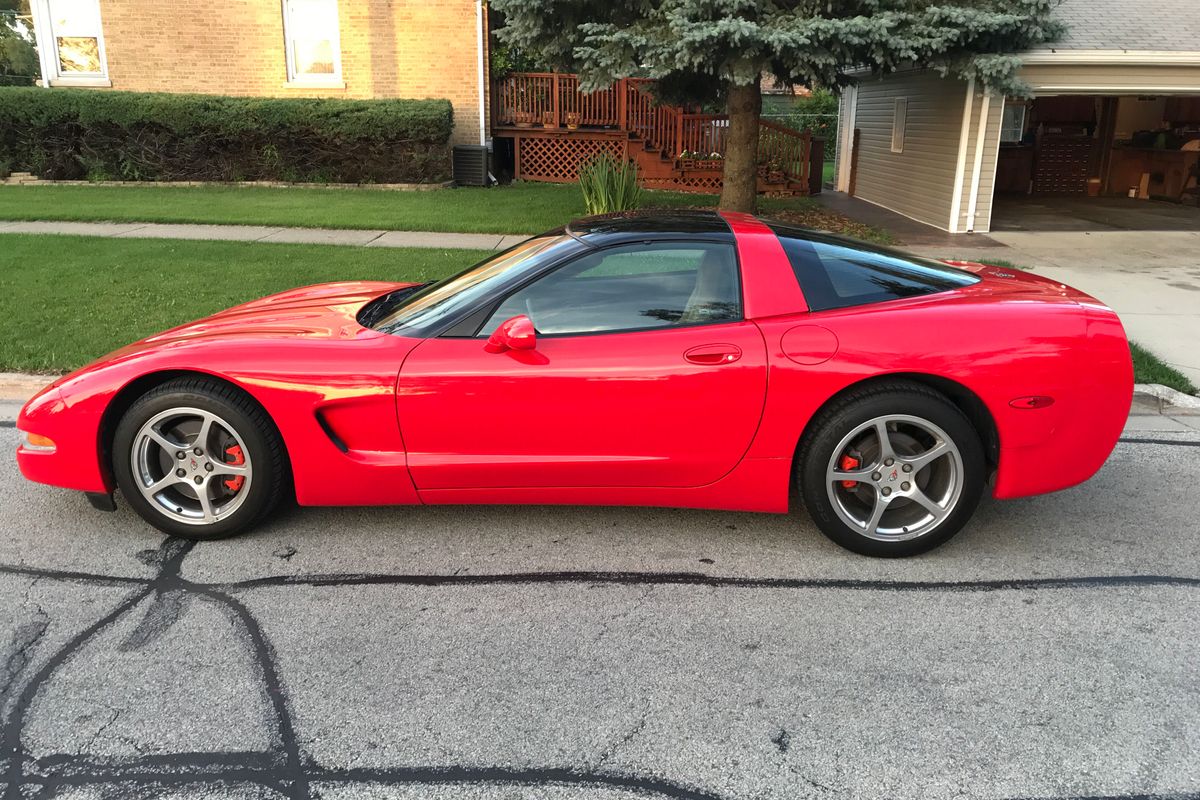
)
(718, 50)
(18, 55)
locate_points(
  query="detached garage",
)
(1113, 125)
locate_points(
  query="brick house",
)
(274, 48)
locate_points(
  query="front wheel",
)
(198, 459)
(891, 470)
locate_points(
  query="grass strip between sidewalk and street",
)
(70, 299)
(1149, 368)
(523, 208)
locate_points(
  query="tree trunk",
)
(739, 191)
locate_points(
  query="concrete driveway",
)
(1150, 278)
(1050, 651)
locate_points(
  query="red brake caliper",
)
(234, 457)
(848, 463)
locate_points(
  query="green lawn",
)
(517, 208)
(68, 299)
(1149, 368)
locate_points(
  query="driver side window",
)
(631, 287)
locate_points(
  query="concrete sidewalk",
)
(258, 233)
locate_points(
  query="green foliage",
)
(19, 64)
(609, 185)
(69, 134)
(506, 59)
(699, 47)
(1149, 368)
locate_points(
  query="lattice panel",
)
(701, 185)
(558, 159)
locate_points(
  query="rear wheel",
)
(198, 459)
(891, 470)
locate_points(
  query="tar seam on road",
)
(6, 423)
(284, 767)
(1169, 442)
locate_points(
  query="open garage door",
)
(1099, 148)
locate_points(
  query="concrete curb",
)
(17, 387)
(1170, 401)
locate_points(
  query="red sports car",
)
(675, 359)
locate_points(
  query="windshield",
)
(435, 302)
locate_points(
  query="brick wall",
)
(390, 48)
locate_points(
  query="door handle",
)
(713, 354)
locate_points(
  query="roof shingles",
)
(1137, 25)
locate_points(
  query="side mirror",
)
(514, 334)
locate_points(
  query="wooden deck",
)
(555, 128)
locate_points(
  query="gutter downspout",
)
(978, 166)
(961, 167)
(480, 46)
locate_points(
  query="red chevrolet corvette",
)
(676, 359)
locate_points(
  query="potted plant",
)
(775, 173)
(687, 159)
(549, 119)
(710, 161)
(572, 120)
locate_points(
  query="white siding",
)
(919, 182)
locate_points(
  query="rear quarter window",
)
(838, 273)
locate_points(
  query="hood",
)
(324, 311)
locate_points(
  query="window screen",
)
(836, 273)
(76, 27)
(313, 44)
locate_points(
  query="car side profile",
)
(688, 359)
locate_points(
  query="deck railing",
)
(553, 100)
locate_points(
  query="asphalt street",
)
(1049, 651)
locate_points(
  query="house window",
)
(899, 119)
(1012, 127)
(314, 52)
(71, 41)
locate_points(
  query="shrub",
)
(609, 185)
(70, 134)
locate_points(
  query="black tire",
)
(263, 449)
(858, 408)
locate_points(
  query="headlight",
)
(35, 442)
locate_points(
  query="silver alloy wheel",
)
(179, 463)
(895, 477)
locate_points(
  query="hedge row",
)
(72, 134)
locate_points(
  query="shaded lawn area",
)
(517, 208)
(70, 299)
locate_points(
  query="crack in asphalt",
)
(284, 767)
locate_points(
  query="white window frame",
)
(47, 45)
(899, 123)
(301, 80)
(1021, 130)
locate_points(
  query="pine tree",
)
(716, 51)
